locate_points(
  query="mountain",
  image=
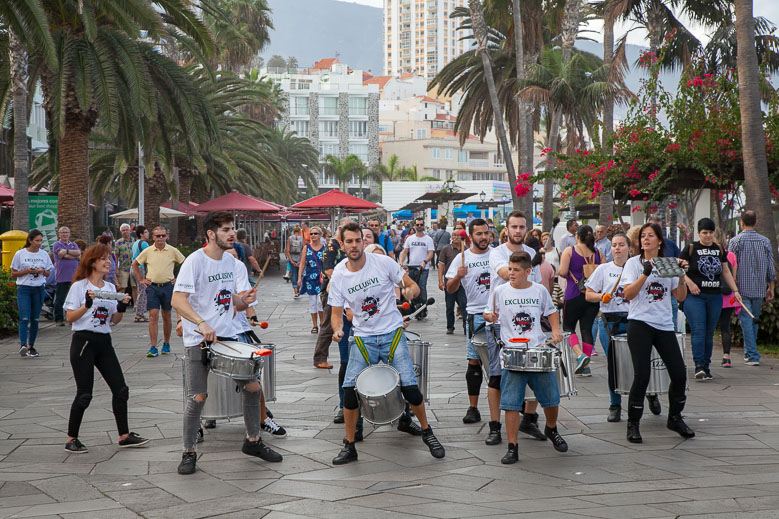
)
(311, 30)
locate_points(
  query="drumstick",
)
(462, 246)
(218, 341)
(748, 312)
(616, 284)
(262, 273)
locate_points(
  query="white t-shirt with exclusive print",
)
(24, 259)
(418, 249)
(603, 280)
(210, 285)
(499, 258)
(476, 282)
(370, 293)
(97, 318)
(652, 305)
(520, 311)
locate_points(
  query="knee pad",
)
(83, 400)
(473, 379)
(350, 398)
(494, 382)
(412, 394)
(124, 393)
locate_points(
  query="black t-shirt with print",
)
(705, 266)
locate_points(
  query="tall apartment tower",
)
(420, 37)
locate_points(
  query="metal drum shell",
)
(385, 406)
(531, 360)
(479, 341)
(268, 377)
(565, 383)
(659, 381)
(229, 363)
(419, 351)
(223, 401)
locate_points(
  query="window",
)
(328, 106)
(421, 133)
(436, 153)
(358, 129)
(328, 148)
(298, 105)
(437, 173)
(448, 153)
(384, 128)
(328, 129)
(361, 150)
(462, 156)
(358, 106)
(301, 128)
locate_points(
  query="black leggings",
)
(578, 310)
(90, 350)
(641, 338)
(724, 326)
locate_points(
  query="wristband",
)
(121, 307)
(198, 324)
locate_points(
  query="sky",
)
(766, 8)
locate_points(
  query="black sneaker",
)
(209, 424)
(511, 456)
(32, 352)
(707, 375)
(615, 413)
(699, 372)
(188, 463)
(654, 404)
(559, 443)
(409, 427)
(348, 454)
(676, 424)
(529, 425)
(74, 446)
(358, 437)
(274, 429)
(133, 441)
(450, 331)
(436, 449)
(260, 450)
(494, 437)
(634, 435)
(23, 351)
(472, 415)
(339, 416)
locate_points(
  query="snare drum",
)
(420, 351)
(236, 360)
(566, 382)
(659, 381)
(479, 341)
(378, 389)
(535, 360)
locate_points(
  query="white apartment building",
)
(420, 37)
(329, 105)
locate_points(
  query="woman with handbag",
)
(577, 264)
(708, 278)
(310, 275)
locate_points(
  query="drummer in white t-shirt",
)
(519, 306)
(366, 283)
(205, 296)
(516, 228)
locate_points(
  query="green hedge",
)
(9, 313)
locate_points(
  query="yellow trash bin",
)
(12, 242)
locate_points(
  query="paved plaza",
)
(731, 468)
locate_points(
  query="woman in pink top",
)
(729, 304)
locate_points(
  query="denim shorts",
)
(158, 297)
(378, 348)
(512, 389)
(493, 350)
(470, 349)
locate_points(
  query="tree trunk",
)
(480, 33)
(186, 176)
(73, 205)
(606, 211)
(756, 188)
(154, 189)
(525, 162)
(17, 56)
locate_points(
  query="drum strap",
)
(363, 350)
(394, 345)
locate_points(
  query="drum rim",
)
(379, 365)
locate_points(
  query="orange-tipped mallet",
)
(264, 324)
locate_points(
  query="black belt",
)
(161, 284)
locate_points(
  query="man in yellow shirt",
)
(159, 260)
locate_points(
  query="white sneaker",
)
(273, 428)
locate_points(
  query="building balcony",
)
(479, 163)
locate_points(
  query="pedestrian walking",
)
(142, 233)
(123, 250)
(440, 241)
(107, 240)
(310, 276)
(419, 248)
(30, 267)
(445, 258)
(66, 256)
(292, 253)
(246, 254)
(729, 303)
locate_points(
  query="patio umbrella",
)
(235, 201)
(190, 208)
(335, 201)
(131, 214)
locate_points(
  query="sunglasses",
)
(160, 235)
(314, 234)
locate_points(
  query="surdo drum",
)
(378, 389)
(419, 351)
(659, 381)
(236, 360)
(479, 341)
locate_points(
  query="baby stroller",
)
(47, 310)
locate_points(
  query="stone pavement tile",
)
(7, 446)
(195, 487)
(114, 467)
(723, 492)
(284, 515)
(761, 514)
(634, 498)
(68, 488)
(451, 495)
(328, 510)
(141, 500)
(90, 505)
(118, 513)
(17, 488)
(361, 469)
(462, 481)
(254, 513)
(537, 505)
(48, 469)
(759, 503)
(750, 460)
(620, 512)
(217, 505)
(381, 501)
(308, 489)
(249, 484)
(51, 453)
(25, 500)
(105, 483)
(703, 506)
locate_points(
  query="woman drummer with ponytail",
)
(650, 323)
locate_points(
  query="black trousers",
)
(724, 326)
(459, 298)
(60, 293)
(90, 350)
(578, 310)
(641, 338)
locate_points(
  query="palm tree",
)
(243, 29)
(343, 170)
(277, 62)
(27, 26)
(756, 188)
(412, 175)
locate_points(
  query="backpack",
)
(295, 244)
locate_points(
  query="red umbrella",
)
(235, 201)
(6, 194)
(191, 208)
(335, 199)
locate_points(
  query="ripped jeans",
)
(197, 383)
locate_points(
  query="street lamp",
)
(482, 196)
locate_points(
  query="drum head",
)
(480, 336)
(239, 350)
(411, 336)
(377, 380)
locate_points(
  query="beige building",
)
(420, 37)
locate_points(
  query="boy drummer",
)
(519, 306)
(366, 284)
